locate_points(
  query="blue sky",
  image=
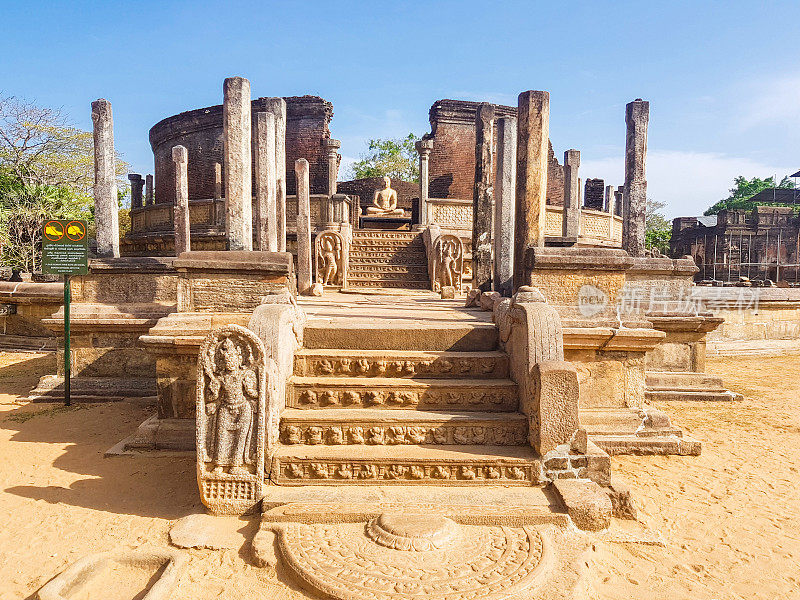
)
(723, 79)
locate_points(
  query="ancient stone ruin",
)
(418, 394)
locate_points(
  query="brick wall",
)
(452, 162)
(200, 131)
(594, 194)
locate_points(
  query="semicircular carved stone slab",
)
(342, 561)
(231, 404)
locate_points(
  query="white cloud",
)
(688, 182)
(770, 102)
(346, 168)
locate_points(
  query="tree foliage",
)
(46, 172)
(744, 189)
(396, 158)
(658, 229)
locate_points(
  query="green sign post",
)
(65, 251)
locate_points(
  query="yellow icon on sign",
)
(53, 231)
(76, 231)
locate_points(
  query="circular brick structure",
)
(200, 131)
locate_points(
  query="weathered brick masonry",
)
(200, 131)
(452, 162)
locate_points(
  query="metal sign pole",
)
(67, 357)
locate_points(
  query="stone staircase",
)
(388, 259)
(443, 411)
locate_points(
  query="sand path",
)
(729, 517)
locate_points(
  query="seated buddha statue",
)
(384, 202)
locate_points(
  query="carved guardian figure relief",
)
(329, 258)
(449, 253)
(231, 399)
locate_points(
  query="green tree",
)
(396, 158)
(745, 189)
(658, 229)
(46, 172)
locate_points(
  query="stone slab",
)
(587, 504)
(208, 532)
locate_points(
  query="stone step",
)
(393, 393)
(497, 505)
(386, 276)
(374, 282)
(389, 258)
(405, 465)
(386, 235)
(409, 247)
(401, 427)
(391, 335)
(691, 396)
(663, 380)
(615, 445)
(382, 363)
(382, 269)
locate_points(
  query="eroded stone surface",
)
(342, 562)
(207, 531)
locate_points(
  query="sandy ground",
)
(729, 517)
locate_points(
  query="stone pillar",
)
(618, 210)
(266, 219)
(106, 204)
(277, 106)
(424, 148)
(180, 157)
(148, 190)
(237, 127)
(332, 148)
(609, 200)
(533, 133)
(482, 200)
(505, 181)
(634, 194)
(304, 280)
(137, 183)
(572, 195)
(217, 181)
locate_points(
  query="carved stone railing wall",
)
(209, 214)
(596, 227)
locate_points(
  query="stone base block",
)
(159, 435)
(636, 431)
(587, 504)
(93, 389)
(687, 386)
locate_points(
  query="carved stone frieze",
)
(490, 398)
(505, 434)
(430, 367)
(288, 471)
(449, 262)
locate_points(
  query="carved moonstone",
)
(417, 533)
(231, 402)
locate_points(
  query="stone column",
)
(303, 226)
(106, 204)
(180, 157)
(572, 195)
(533, 133)
(331, 147)
(277, 106)
(609, 200)
(618, 209)
(634, 194)
(217, 181)
(505, 181)
(424, 148)
(148, 190)
(482, 200)
(237, 127)
(137, 183)
(266, 214)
